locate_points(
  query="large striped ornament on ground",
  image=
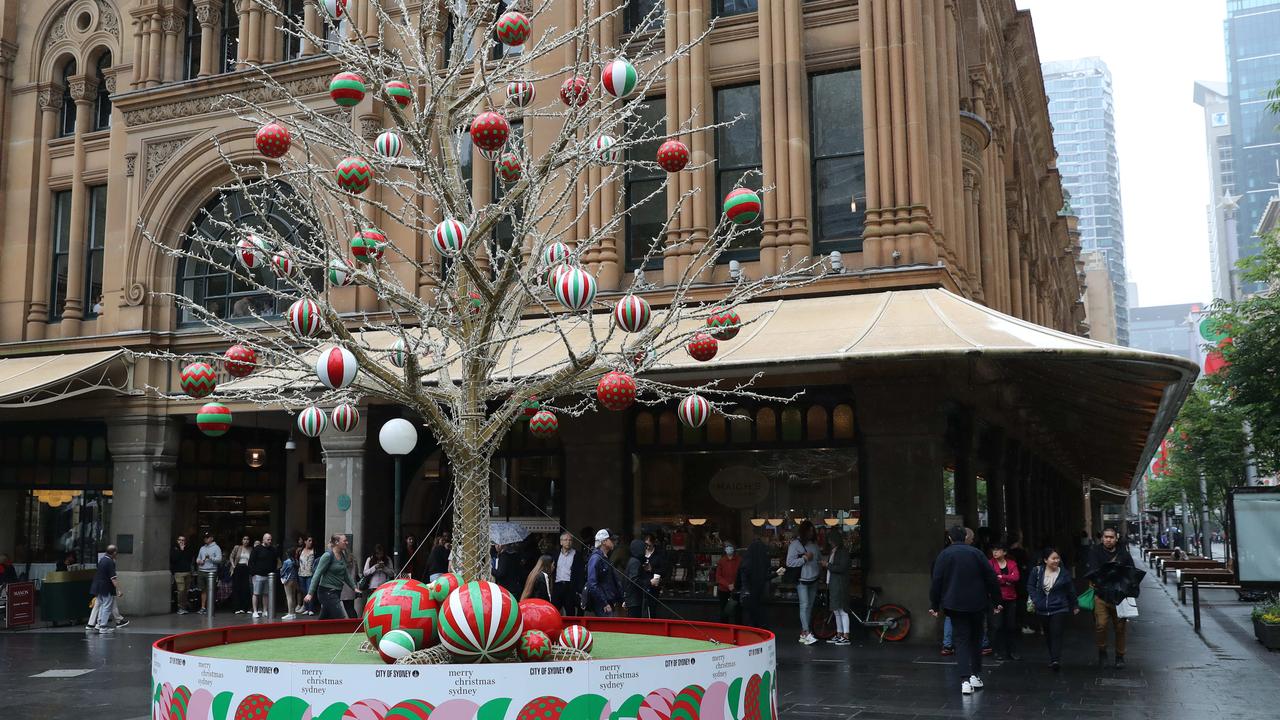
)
(253, 707)
(198, 379)
(480, 621)
(544, 424)
(742, 206)
(251, 251)
(341, 272)
(534, 646)
(490, 130)
(403, 604)
(368, 245)
(388, 145)
(575, 91)
(345, 418)
(688, 704)
(702, 347)
(619, 78)
(578, 638)
(632, 313)
(410, 710)
(399, 92)
(336, 367)
(396, 644)
(272, 140)
(366, 710)
(449, 236)
(673, 156)
(304, 317)
(354, 174)
(724, 324)
(575, 289)
(521, 93)
(312, 421)
(554, 274)
(616, 391)
(240, 360)
(347, 89)
(440, 588)
(214, 419)
(694, 411)
(512, 29)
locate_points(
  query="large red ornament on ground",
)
(402, 605)
(616, 391)
(480, 621)
(442, 586)
(541, 615)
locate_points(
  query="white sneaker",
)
(975, 682)
(966, 688)
(290, 616)
(809, 639)
(256, 614)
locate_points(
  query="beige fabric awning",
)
(41, 379)
(1110, 405)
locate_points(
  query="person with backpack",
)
(1051, 593)
(330, 578)
(602, 593)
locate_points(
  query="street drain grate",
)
(1121, 682)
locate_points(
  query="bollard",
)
(211, 588)
(271, 596)
(1195, 601)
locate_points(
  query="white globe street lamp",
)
(397, 438)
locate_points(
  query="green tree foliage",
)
(1207, 439)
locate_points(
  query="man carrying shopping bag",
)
(1114, 581)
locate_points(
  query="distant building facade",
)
(1221, 205)
(1167, 329)
(1099, 297)
(1081, 109)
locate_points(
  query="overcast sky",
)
(1155, 50)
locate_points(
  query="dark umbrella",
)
(1114, 582)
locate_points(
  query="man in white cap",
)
(602, 594)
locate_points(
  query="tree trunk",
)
(471, 517)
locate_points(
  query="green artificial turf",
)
(345, 649)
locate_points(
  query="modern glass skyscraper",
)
(1253, 67)
(1084, 133)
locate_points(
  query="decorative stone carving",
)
(50, 98)
(173, 22)
(157, 154)
(130, 164)
(108, 20)
(213, 103)
(209, 13)
(370, 127)
(970, 177)
(109, 80)
(8, 52)
(57, 31)
(135, 294)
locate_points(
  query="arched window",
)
(228, 295)
(102, 104)
(67, 123)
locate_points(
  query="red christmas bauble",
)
(616, 390)
(724, 324)
(703, 347)
(272, 140)
(541, 615)
(240, 360)
(575, 91)
(548, 707)
(490, 130)
(673, 156)
(534, 646)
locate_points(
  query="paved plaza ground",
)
(1173, 674)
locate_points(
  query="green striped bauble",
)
(606, 148)
(347, 89)
(742, 206)
(345, 418)
(688, 704)
(312, 421)
(575, 288)
(632, 313)
(556, 253)
(399, 91)
(368, 245)
(399, 354)
(341, 272)
(480, 621)
(619, 78)
(410, 710)
(198, 379)
(395, 645)
(449, 236)
(354, 174)
(694, 411)
(214, 419)
(388, 145)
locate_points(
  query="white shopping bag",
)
(1127, 609)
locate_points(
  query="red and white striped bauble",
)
(616, 391)
(480, 621)
(544, 424)
(304, 317)
(388, 145)
(282, 263)
(606, 148)
(694, 411)
(449, 236)
(251, 251)
(578, 638)
(312, 421)
(341, 272)
(521, 93)
(345, 418)
(336, 367)
(553, 275)
(240, 360)
(575, 91)
(619, 78)
(575, 289)
(632, 313)
(556, 253)
(399, 355)
(702, 347)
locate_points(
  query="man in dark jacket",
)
(1111, 574)
(753, 583)
(264, 559)
(602, 592)
(508, 569)
(182, 558)
(964, 587)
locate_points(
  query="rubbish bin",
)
(64, 597)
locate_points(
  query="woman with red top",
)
(1004, 625)
(727, 582)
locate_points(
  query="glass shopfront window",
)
(755, 475)
(217, 490)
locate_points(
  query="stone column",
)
(174, 23)
(251, 33)
(797, 178)
(677, 100)
(1012, 488)
(608, 268)
(209, 14)
(344, 482)
(50, 97)
(773, 130)
(904, 451)
(272, 43)
(144, 451)
(139, 49)
(311, 22)
(84, 89)
(242, 46)
(155, 45)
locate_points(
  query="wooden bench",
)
(1193, 564)
(1173, 558)
(1207, 578)
(1154, 555)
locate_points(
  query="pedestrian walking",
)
(726, 584)
(1019, 554)
(438, 558)
(633, 590)
(378, 569)
(106, 588)
(289, 581)
(241, 586)
(964, 588)
(602, 594)
(264, 560)
(803, 566)
(1052, 593)
(838, 565)
(1004, 623)
(331, 576)
(571, 576)
(540, 583)
(754, 576)
(208, 562)
(654, 571)
(182, 560)
(306, 569)
(1113, 578)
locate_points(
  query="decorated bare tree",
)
(501, 322)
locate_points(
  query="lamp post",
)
(397, 438)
